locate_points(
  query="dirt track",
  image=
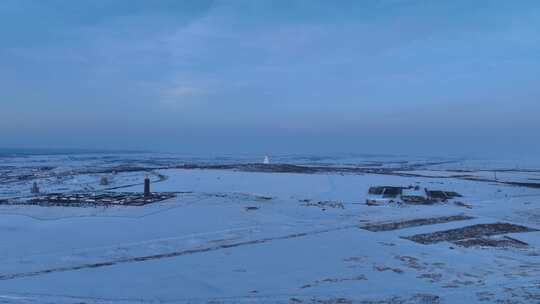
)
(169, 254)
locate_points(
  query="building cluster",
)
(83, 199)
(381, 195)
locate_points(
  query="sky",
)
(374, 76)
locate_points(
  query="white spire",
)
(266, 160)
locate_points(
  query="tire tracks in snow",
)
(172, 254)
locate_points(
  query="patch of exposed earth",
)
(396, 225)
(478, 231)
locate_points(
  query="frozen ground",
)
(235, 234)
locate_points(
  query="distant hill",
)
(12, 152)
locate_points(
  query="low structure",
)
(381, 195)
(101, 199)
(386, 191)
(414, 196)
(35, 188)
(441, 196)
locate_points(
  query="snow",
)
(205, 246)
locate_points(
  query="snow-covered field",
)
(263, 237)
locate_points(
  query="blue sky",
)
(381, 76)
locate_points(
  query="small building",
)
(441, 196)
(35, 188)
(414, 196)
(383, 195)
(386, 191)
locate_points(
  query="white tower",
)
(266, 160)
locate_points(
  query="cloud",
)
(182, 96)
(291, 67)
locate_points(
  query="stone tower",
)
(147, 186)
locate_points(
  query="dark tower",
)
(146, 186)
